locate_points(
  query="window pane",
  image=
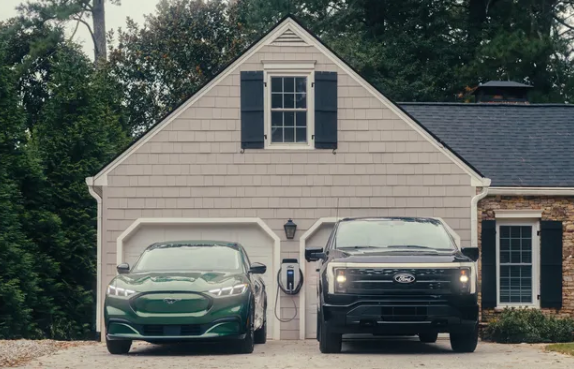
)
(277, 134)
(276, 84)
(504, 232)
(526, 244)
(301, 84)
(301, 134)
(289, 134)
(276, 118)
(276, 101)
(514, 257)
(301, 100)
(289, 117)
(289, 101)
(289, 84)
(504, 257)
(527, 232)
(526, 257)
(515, 244)
(301, 119)
(504, 244)
(515, 232)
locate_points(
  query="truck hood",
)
(179, 281)
(374, 256)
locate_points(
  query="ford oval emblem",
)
(404, 278)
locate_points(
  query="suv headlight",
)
(113, 290)
(238, 289)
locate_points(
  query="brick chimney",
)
(502, 92)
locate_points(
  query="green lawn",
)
(565, 348)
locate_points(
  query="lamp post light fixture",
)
(290, 229)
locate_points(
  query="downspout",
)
(95, 195)
(474, 214)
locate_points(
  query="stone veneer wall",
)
(553, 208)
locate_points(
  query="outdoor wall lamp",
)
(290, 229)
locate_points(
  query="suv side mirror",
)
(123, 268)
(257, 268)
(314, 254)
(471, 252)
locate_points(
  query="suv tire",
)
(464, 342)
(329, 342)
(118, 347)
(246, 345)
(428, 337)
(261, 334)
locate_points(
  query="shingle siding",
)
(194, 168)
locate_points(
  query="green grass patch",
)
(564, 348)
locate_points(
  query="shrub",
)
(529, 326)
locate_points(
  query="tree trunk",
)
(99, 19)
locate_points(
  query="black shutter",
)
(252, 117)
(551, 264)
(325, 110)
(489, 274)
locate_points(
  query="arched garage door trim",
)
(175, 221)
(302, 244)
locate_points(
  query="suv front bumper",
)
(400, 315)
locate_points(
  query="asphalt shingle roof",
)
(514, 145)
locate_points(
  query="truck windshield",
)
(394, 235)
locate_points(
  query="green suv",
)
(187, 290)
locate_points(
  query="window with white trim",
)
(517, 255)
(289, 115)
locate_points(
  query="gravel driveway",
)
(366, 354)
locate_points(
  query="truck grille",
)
(171, 330)
(374, 281)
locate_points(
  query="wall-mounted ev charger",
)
(290, 281)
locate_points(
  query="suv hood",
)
(408, 256)
(179, 281)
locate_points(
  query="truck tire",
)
(329, 342)
(428, 337)
(464, 342)
(118, 347)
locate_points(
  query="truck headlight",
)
(464, 280)
(340, 280)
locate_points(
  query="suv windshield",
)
(394, 235)
(189, 258)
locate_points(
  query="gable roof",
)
(290, 23)
(513, 145)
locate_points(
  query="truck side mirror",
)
(471, 252)
(123, 268)
(314, 254)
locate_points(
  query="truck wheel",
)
(329, 342)
(464, 342)
(428, 337)
(118, 347)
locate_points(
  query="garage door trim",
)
(176, 221)
(302, 244)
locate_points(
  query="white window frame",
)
(521, 222)
(309, 74)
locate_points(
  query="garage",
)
(316, 236)
(261, 244)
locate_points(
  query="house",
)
(290, 131)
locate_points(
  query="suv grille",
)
(374, 281)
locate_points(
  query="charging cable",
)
(289, 291)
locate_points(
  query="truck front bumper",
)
(401, 316)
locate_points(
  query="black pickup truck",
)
(396, 276)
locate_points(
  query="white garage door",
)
(257, 243)
(318, 239)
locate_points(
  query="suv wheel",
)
(464, 342)
(428, 337)
(247, 343)
(261, 334)
(118, 347)
(329, 342)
